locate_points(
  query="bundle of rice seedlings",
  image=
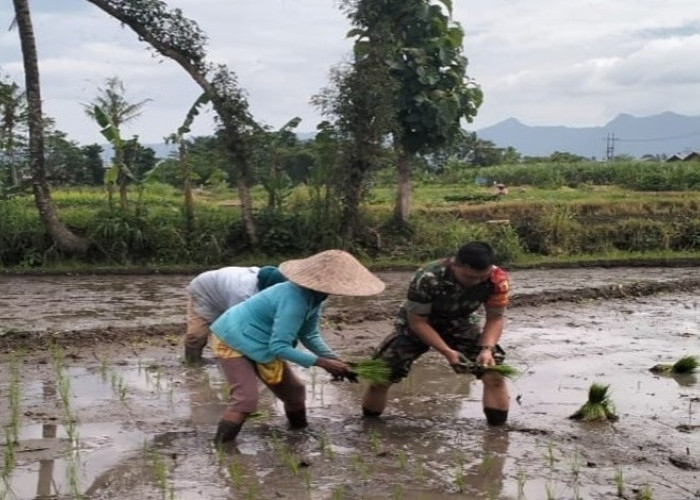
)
(599, 406)
(372, 371)
(504, 370)
(687, 364)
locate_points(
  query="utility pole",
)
(610, 147)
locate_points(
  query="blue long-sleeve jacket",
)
(269, 324)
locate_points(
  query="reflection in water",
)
(48, 431)
(486, 476)
(685, 379)
(43, 489)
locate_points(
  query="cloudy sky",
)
(544, 62)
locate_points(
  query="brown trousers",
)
(242, 378)
(197, 332)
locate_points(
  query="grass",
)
(599, 406)
(685, 365)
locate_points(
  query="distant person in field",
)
(440, 312)
(257, 339)
(499, 189)
(212, 292)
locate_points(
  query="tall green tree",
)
(422, 48)
(174, 36)
(65, 239)
(13, 119)
(358, 101)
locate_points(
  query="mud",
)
(132, 422)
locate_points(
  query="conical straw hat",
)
(334, 272)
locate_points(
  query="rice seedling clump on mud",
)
(599, 406)
(687, 364)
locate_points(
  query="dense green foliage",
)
(530, 222)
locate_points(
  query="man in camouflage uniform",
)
(439, 312)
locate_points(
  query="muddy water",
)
(143, 423)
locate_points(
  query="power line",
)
(652, 139)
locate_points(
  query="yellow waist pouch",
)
(270, 373)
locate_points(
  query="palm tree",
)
(65, 240)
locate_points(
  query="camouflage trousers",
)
(402, 347)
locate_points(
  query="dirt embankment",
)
(336, 316)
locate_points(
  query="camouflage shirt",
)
(434, 292)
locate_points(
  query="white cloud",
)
(572, 63)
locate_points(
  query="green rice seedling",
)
(487, 463)
(104, 368)
(374, 440)
(521, 478)
(372, 371)
(338, 492)
(220, 454)
(13, 400)
(359, 465)
(275, 443)
(619, 483)
(160, 471)
(576, 466)
(8, 454)
(460, 479)
(64, 390)
(325, 444)
(252, 492)
(599, 406)
(290, 459)
(257, 416)
(236, 473)
(576, 491)
(686, 364)
(402, 459)
(504, 370)
(71, 431)
(306, 476)
(549, 491)
(72, 474)
(420, 470)
(550, 456)
(646, 493)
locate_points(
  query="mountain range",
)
(663, 134)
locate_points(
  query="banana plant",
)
(118, 172)
(178, 138)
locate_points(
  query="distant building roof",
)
(691, 156)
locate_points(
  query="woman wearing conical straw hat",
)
(257, 338)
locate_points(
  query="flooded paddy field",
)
(95, 402)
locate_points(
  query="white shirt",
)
(215, 291)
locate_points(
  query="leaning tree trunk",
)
(65, 240)
(197, 70)
(186, 170)
(402, 206)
